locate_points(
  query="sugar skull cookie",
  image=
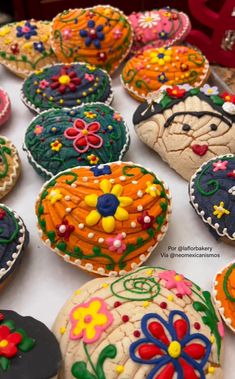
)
(105, 219)
(212, 194)
(5, 107)
(66, 86)
(176, 65)
(28, 349)
(100, 36)
(25, 46)
(88, 135)
(9, 166)
(224, 294)
(158, 28)
(152, 323)
(187, 126)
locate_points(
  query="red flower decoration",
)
(175, 92)
(15, 48)
(228, 97)
(2, 213)
(145, 220)
(65, 81)
(84, 135)
(8, 342)
(102, 57)
(64, 230)
(231, 174)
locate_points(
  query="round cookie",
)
(9, 166)
(14, 239)
(187, 126)
(5, 107)
(152, 323)
(66, 86)
(224, 294)
(88, 135)
(158, 28)
(28, 349)
(212, 195)
(149, 70)
(25, 46)
(101, 36)
(105, 219)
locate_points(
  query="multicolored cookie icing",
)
(158, 28)
(28, 349)
(9, 166)
(14, 239)
(5, 107)
(106, 219)
(224, 294)
(152, 323)
(25, 46)
(212, 195)
(175, 65)
(101, 36)
(88, 135)
(66, 86)
(187, 126)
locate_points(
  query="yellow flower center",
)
(85, 132)
(178, 278)
(3, 343)
(64, 79)
(148, 19)
(174, 349)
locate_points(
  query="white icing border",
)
(7, 107)
(31, 106)
(9, 181)
(48, 173)
(101, 270)
(201, 212)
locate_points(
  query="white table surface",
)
(44, 281)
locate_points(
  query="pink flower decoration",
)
(116, 244)
(84, 135)
(221, 329)
(117, 33)
(89, 77)
(67, 34)
(174, 280)
(220, 165)
(43, 84)
(38, 130)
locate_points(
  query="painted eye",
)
(186, 127)
(214, 127)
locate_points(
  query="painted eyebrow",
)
(198, 114)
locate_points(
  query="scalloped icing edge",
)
(31, 106)
(106, 6)
(100, 270)
(7, 107)
(48, 173)
(11, 180)
(196, 205)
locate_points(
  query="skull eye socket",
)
(186, 127)
(214, 127)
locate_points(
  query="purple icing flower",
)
(39, 46)
(94, 34)
(163, 35)
(162, 78)
(27, 30)
(101, 170)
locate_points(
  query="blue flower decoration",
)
(39, 46)
(26, 31)
(162, 78)
(170, 347)
(101, 170)
(94, 34)
(163, 35)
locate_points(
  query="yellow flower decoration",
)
(54, 196)
(89, 114)
(90, 67)
(93, 159)
(28, 46)
(109, 206)
(219, 210)
(161, 56)
(5, 31)
(56, 145)
(153, 189)
(7, 41)
(45, 38)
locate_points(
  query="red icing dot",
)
(179, 295)
(136, 333)
(117, 304)
(1, 317)
(125, 318)
(163, 305)
(197, 325)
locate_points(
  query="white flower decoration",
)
(149, 19)
(229, 107)
(209, 90)
(232, 190)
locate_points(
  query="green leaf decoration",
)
(44, 195)
(9, 323)
(109, 352)
(6, 150)
(51, 236)
(61, 246)
(217, 100)
(165, 101)
(27, 343)
(194, 91)
(40, 210)
(79, 371)
(4, 363)
(199, 307)
(2, 141)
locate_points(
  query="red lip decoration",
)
(200, 149)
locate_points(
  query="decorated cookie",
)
(152, 323)
(28, 349)
(5, 107)
(106, 219)
(66, 86)
(148, 71)
(158, 28)
(9, 166)
(88, 135)
(101, 36)
(25, 46)
(224, 294)
(14, 238)
(212, 194)
(187, 126)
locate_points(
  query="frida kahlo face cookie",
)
(152, 323)
(5, 107)
(28, 349)
(9, 166)
(25, 46)
(187, 126)
(105, 219)
(212, 195)
(88, 135)
(149, 70)
(158, 28)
